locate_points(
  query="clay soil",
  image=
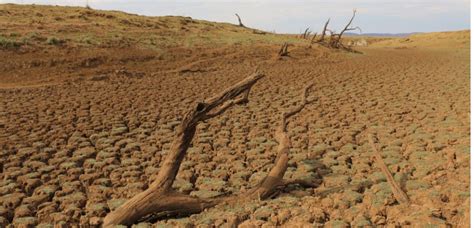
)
(84, 124)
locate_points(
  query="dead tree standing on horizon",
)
(337, 40)
(240, 21)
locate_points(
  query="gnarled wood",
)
(398, 193)
(161, 200)
(275, 176)
(159, 197)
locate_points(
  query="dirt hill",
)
(91, 100)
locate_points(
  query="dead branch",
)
(305, 34)
(314, 37)
(399, 194)
(339, 36)
(240, 21)
(159, 197)
(321, 39)
(275, 176)
(283, 50)
(161, 200)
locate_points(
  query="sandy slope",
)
(84, 128)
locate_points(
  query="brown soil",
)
(84, 127)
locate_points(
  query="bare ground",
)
(84, 128)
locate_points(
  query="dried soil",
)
(82, 129)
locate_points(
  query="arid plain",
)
(90, 102)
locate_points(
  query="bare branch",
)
(355, 28)
(275, 176)
(159, 197)
(324, 31)
(314, 37)
(347, 26)
(399, 194)
(305, 33)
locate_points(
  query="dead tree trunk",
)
(161, 199)
(240, 21)
(321, 39)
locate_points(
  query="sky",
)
(286, 16)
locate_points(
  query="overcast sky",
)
(374, 16)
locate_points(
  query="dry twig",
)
(398, 193)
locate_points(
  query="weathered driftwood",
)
(161, 199)
(398, 193)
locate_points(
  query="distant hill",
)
(47, 26)
(382, 34)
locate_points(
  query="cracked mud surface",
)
(82, 132)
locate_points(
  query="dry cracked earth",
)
(82, 132)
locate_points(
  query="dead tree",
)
(337, 41)
(398, 193)
(306, 33)
(240, 21)
(283, 50)
(161, 199)
(323, 33)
